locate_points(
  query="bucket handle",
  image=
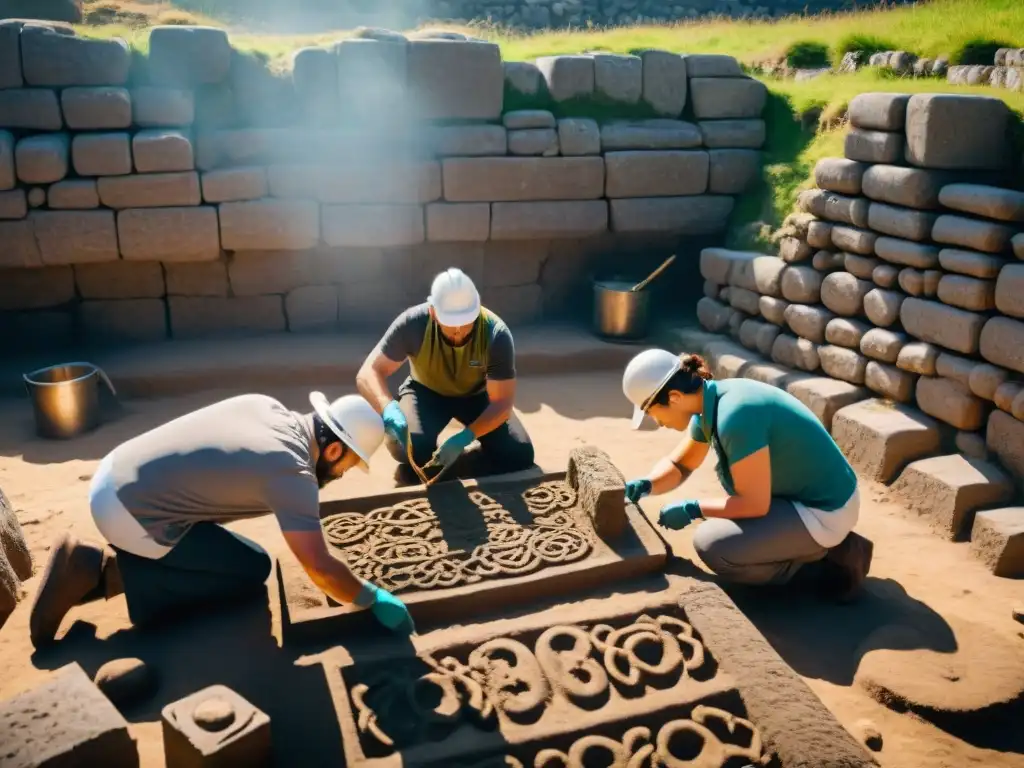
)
(100, 371)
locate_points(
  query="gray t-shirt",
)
(405, 338)
(244, 457)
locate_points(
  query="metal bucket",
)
(66, 398)
(620, 313)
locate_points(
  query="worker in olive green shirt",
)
(462, 367)
(792, 496)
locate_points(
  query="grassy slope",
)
(929, 29)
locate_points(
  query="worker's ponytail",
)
(695, 366)
(693, 372)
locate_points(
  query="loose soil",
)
(918, 580)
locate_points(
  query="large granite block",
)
(930, 321)
(36, 288)
(664, 82)
(997, 540)
(42, 159)
(188, 56)
(469, 140)
(656, 174)
(52, 59)
(458, 222)
(455, 80)
(695, 214)
(155, 107)
(150, 190)
(716, 98)
(567, 77)
(228, 185)
(268, 225)
(357, 182)
(880, 438)
(513, 179)
(101, 154)
(96, 108)
(32, 109)
(120, 280)
(75, 237)
(169, 234)
(160, 150)
(618, 78)
(372, 76)
(953, 131)
(366, 226)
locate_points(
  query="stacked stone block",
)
(1006, 71)
(901, 275)
(216, 195)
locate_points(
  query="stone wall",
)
(900, 283)
(199, 191)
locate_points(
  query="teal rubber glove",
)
(395, 425)
(452, 448)
(386, 608)
(679, 515)
(637, 489)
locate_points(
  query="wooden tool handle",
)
(643, 284)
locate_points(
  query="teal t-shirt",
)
(807, 465)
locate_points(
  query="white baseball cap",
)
(354, 421)
(454, 298)
(645, 375)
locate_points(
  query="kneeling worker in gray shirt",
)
(158, 500)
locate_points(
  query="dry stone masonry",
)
(197, 192)
(894, 310)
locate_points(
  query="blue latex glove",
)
(637, 489)
(395, 425)
(452, 448)
(386, 608)
(679, 515)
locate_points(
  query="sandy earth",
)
(916, 579)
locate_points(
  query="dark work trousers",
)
(208, 565)
(505, 449)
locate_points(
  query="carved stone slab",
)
(215, 727)
(628, 681)
(457, 550)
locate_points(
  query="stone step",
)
(997, 539)
(256, 363)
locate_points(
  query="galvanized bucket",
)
(66, 398)
(620, 313)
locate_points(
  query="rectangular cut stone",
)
(364, 226)
(31, 109)
(456, 80)
(838, 174)
(198, 278)
(951, 402)
(600, 489)
(873, 146)
(901, 222)
(120, 280)
(825, 396)
(1009, 292)
(101, 154)
(1005, 438)
(514, 179)
(578, 136)
(96, 108)
(712, 65)
(75, 237)
(910, 187)
(36, 288)
(512, 264)
(656, 173)
(188, 743)
(739, 134)
(716, 98)
(78, 194)
(733, 170)
(10, 55)
(719, 264)
(169, 234)
(258, 225)
(458, 222)
(587, 560)
(50, 58)
(880, 438)
(151, 190)
(20, 248)
(917, 255)
(194, 317)
(1002, 343)
(948, 490)
(567, 77)
(967, 292)
(358, 182)
(124, 320)
(696, 214)
(81, 726)
(952, 131)
(889, 381)
(649, 134)
(981, 200)
(997, 540)
(188, 55)
(970, 233)
(42, 159)
(879, 111)
(372, 76)
(228, 185)
(522, 77)
(468, 140)
(955, 329)
(154, 107)
(254, 273)
(8, 177)
(554, 220)
(161, 150)
(618, 78)
(664, 82)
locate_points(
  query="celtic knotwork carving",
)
(638, 750)
(403, 546)
(505, 678)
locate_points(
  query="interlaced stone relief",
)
(507, 680)
(404, 546)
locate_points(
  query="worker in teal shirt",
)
(792, 495)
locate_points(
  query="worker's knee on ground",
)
(511, 455)
(711, 548)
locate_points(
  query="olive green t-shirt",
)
(488, 354)
(243, 457)
(807, 465)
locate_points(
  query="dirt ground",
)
(917, 579)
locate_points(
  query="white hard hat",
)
(454, 298)
(354, 421)
(645, 375)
